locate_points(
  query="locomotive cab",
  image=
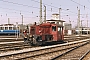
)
(57, 32)
(57, 29)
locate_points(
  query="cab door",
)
(54, 32)
(60, 33)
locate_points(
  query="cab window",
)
(53, 28)
(59, 29)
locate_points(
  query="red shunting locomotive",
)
(50, 31)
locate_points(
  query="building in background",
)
(82, 30)
(68, 26)
(55, 16)
(68, 29)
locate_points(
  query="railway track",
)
(76, 53)
(41, 52)
(75, 38)
(66, 38)
(10, 39)
(86, 56)
(10, 43)
(13, 47)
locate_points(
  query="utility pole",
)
(78, 23)
(17, 29)
(40, 11)
(44, 13)
(78, 20)
(87, 22)
(70, 24)
(8, 21)
(22, 20)
(59, 13)
(22, 23)
(81, 27)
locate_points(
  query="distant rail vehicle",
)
(9, 29)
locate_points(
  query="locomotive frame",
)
(50, 31)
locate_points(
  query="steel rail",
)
(84, 55)
(68, 51)
(39, 54)
(44, 48)
(20, 58)
(33, 51)
(71, 48)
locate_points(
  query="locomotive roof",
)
(56, 20)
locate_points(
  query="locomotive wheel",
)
(39, 43)
(25, 40)
(30, 44)
(34, 42)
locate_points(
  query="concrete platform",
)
(10, 38)
(11, 42)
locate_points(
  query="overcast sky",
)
(30, 10)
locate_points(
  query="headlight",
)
(25, 37)
(30, 35)
(33, 38)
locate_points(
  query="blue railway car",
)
(9, 32)
(9, 29)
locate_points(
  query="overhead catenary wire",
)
(20, 5)
(89, 1)
(30, 6)
(85, 7)
(15, 9)
(42, 3)
(23, 5)
(53, 6)
(80, 4)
